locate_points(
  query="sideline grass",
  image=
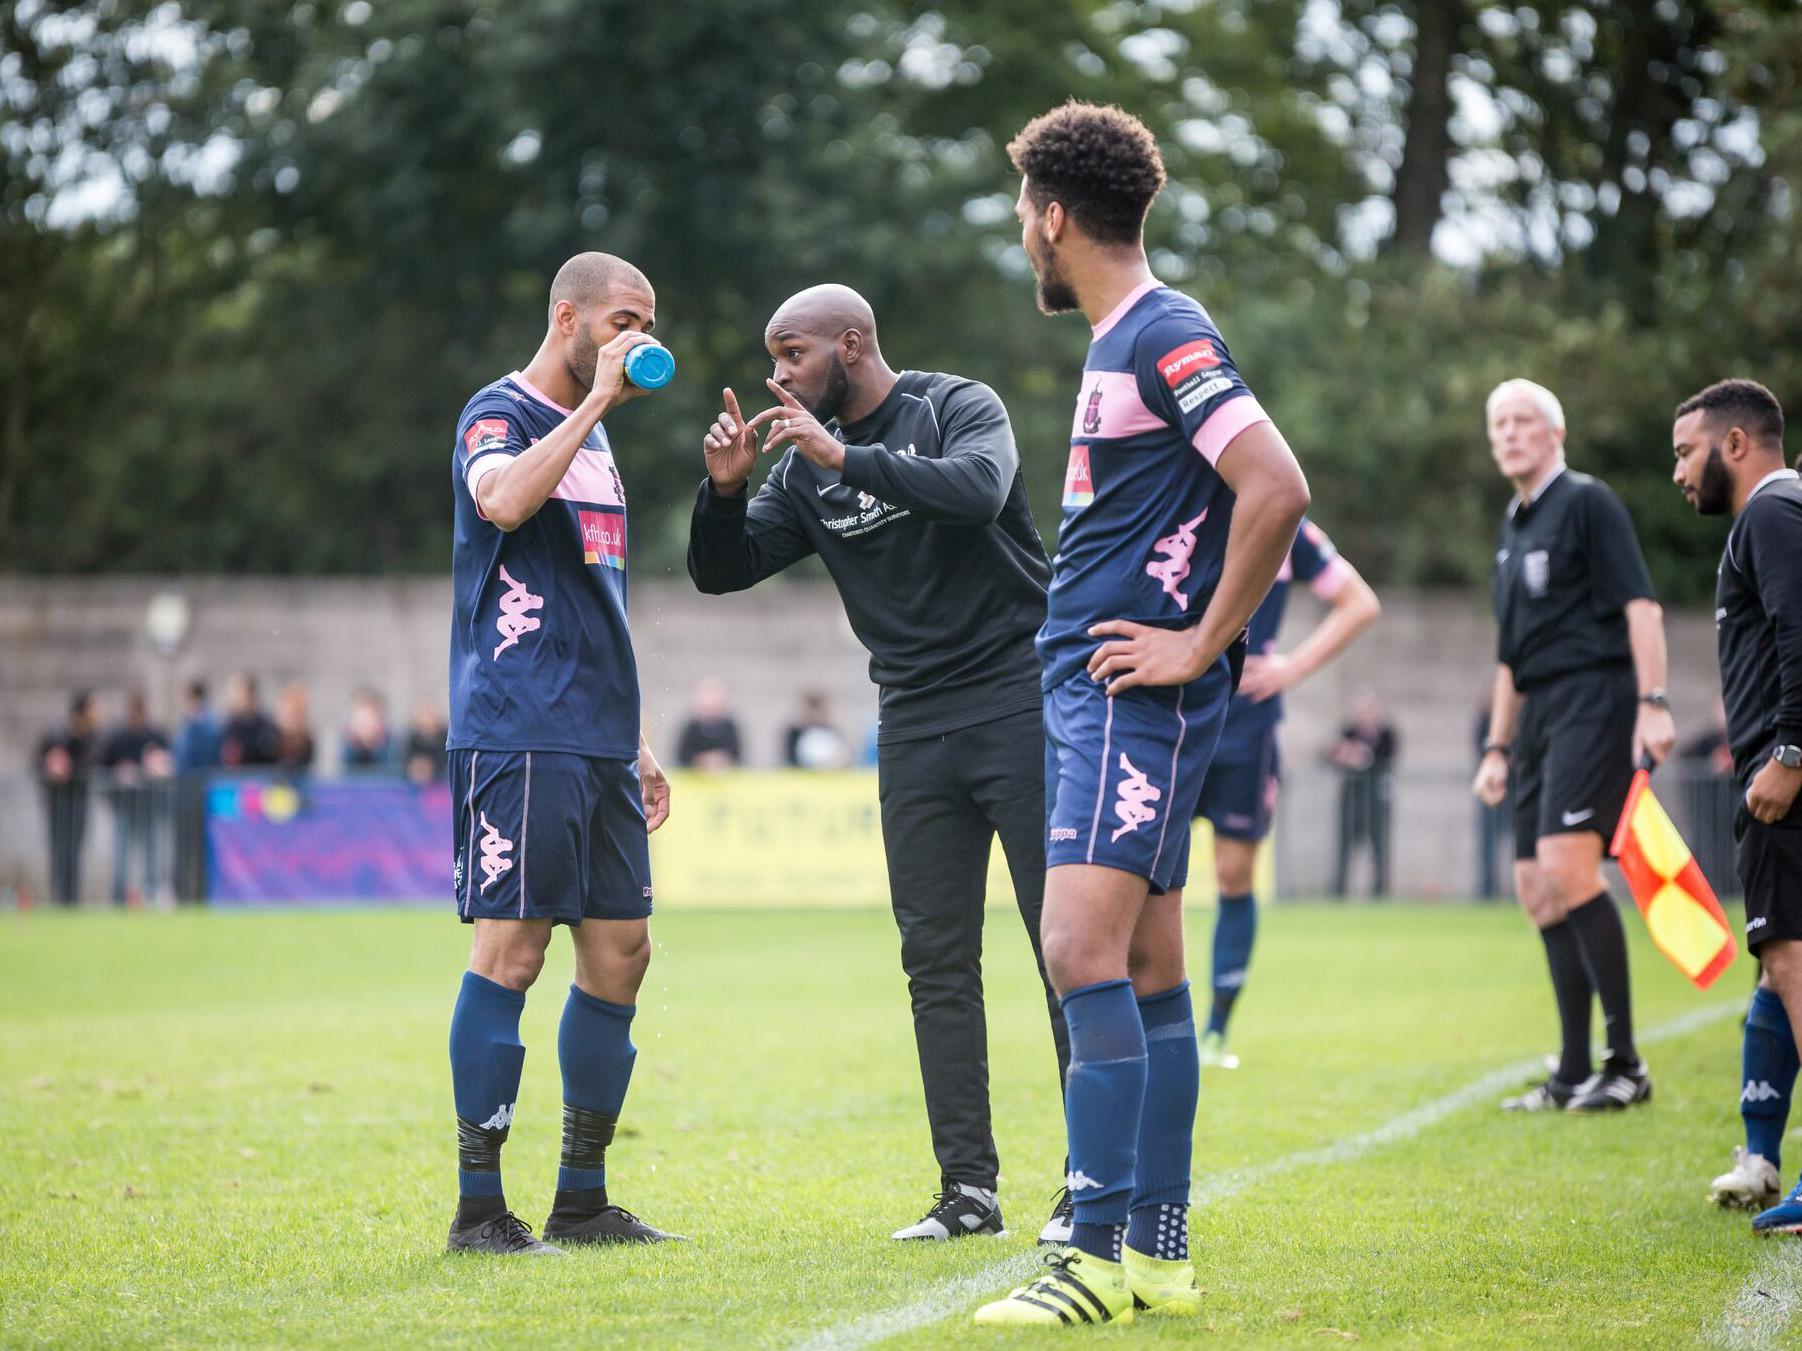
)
(236, 1129)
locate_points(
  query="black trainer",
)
(1060, 1228)
(612, 1225)
(1615, 1089)
(1553, 1095)
(957, 1212)
(504, 1234)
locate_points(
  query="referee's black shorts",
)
(1573, 756)
(1770, 873)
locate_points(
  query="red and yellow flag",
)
(1680, 909)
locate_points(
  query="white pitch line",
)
(1770, 1298)
(951, 1297)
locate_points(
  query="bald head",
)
(825, 312)
(591, 279)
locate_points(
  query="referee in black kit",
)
(1728, 441)
(908, 488)
(1579, 699)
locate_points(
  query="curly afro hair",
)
(1739, 403)
(1099, 161)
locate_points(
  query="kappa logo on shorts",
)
(1061, 833)
(1172, 570)
(495, 848)
(513, 621)
(1136, 792)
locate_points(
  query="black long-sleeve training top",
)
(927, 536)
(1758, 624)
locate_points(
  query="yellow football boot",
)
(1076, 1288)
(1160, 1287)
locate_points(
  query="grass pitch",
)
(237, 1129)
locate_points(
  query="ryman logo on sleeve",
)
(1189, 359)
(489, 433)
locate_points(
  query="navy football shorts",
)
(1122, 774)
(1239, 799)
(549, 835)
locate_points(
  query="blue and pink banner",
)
(379, 840)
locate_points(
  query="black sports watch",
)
(1657, 698)
(1790, 757)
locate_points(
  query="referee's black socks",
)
(1572, 990)
(1604, 943)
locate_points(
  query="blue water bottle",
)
(650, 365)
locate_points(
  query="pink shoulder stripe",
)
(1232, 417)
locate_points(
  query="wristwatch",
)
(1790, 757)
(1657, 698)
(1501, 748)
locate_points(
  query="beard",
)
(581, 358)
(1714, 494)
(832, 398)
(1053, 294)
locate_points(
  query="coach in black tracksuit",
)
(1578, 699)
(908, 487)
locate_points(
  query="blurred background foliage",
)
(255, 257)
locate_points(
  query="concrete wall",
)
(1430, 658)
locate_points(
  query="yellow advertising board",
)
(794, 838)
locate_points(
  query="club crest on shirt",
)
(489, 433)
(1091, 415)
(1536, 571)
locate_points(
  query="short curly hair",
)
(1100, 162)
(1741, 403)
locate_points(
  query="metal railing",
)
(1415, 833)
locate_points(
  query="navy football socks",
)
(595, 1052)
(1235, 929)
(1166, 1124)
(1768, 1056)
(1102, 1103)
(486, 1058)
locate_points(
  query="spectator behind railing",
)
(813, 740)
(197, 748)
(427, 760)
(65, 758)
(709, 738)
(138, 769)
(1365, 756)
(294, 732)
(250, 738)
(367, 743)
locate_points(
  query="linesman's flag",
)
(1680, 909)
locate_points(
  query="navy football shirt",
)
(1314, 560)
(1145, 513)
(541, 658)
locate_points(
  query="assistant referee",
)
(1579, 699)
(1728, 441)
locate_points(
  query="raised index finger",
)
(732, 403)
(785, 396)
